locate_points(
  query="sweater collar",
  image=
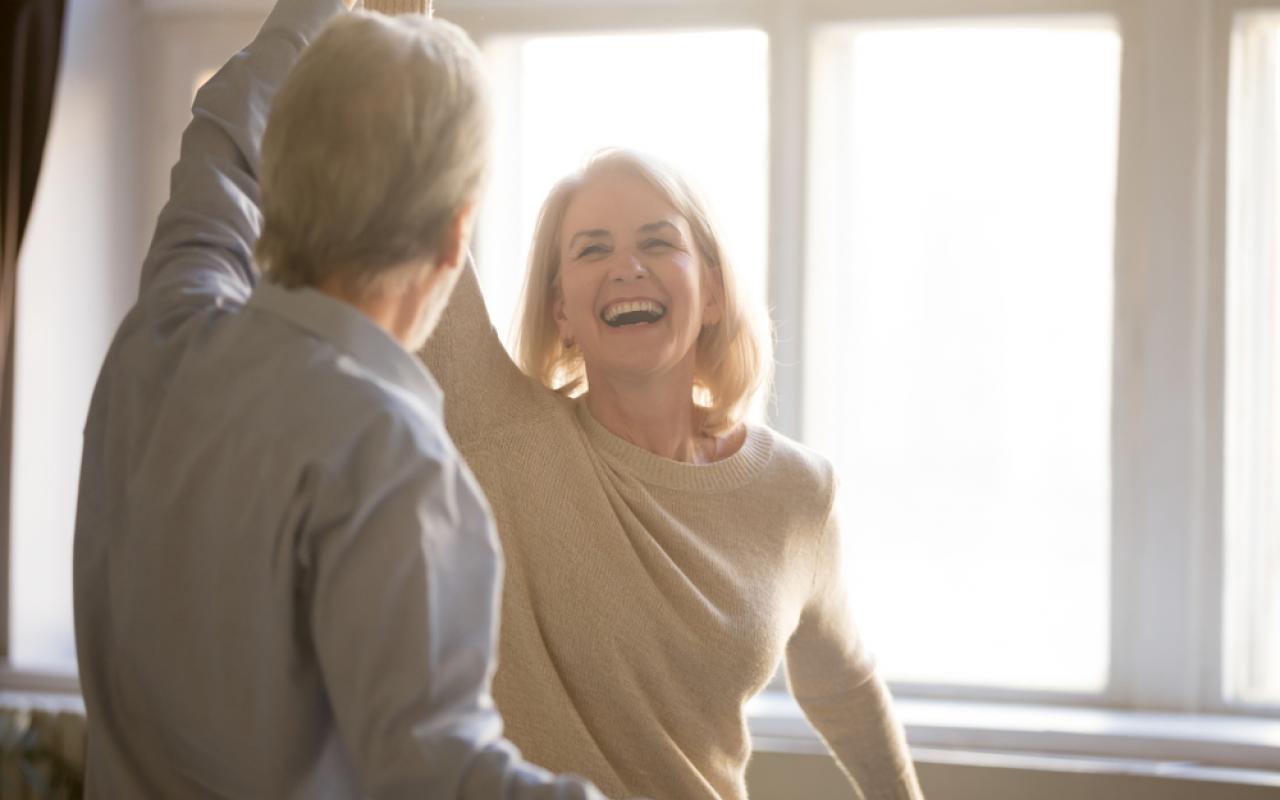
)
(726, 474)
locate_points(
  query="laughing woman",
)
(663, 556)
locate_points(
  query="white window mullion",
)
(1250, 512)
(1158, 579)
(789, 80)
(1213, 539)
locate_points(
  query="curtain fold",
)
(30, 44)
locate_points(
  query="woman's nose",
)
(629, 267)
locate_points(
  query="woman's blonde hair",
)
(734, 356)
(378, 138)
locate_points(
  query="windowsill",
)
(1193, 746)
(1228, 749)
(37, 683)
(37, 691)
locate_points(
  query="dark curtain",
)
(30, 41)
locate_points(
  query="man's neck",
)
(400, 313)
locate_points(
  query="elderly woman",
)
(662, 555)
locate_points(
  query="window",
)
(991, 260)
(1252, 474)
(104, 177)
(958, 329)
(76, 275)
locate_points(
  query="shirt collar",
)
(346, 328)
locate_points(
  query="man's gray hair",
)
(378, 138)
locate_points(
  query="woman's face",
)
(633, 292)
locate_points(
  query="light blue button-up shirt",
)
(286, 580)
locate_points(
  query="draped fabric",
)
(30, 41)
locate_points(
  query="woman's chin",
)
(639, 374)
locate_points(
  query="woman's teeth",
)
(633, 312)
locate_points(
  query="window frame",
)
(1168, 380)
(1166, 629)
(1225, 15)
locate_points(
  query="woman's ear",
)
(713, 305)
(557, 313)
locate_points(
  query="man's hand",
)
(399, 6)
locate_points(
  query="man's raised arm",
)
(202, 251)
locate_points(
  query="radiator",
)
(41, 752)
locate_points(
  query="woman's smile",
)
(632, 313)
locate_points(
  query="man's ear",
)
(457, 235)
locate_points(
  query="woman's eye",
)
(655, 244)
(592, 250)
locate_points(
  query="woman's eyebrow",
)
(595, 233)
(653, 227)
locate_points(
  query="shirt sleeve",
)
(201, 254)
(834, 680)
(402, 575)
(484, 389)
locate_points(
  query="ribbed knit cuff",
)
(398, 6)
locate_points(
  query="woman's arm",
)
(484, 389)
(414, 545)
(834, 680)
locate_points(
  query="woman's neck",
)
(656, 415)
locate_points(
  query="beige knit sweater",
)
(647, 600)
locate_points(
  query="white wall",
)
(77, 274)
(123, 98)
(176, 47)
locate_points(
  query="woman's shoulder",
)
(796, 466)
(544, 415)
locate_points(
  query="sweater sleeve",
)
(834, 680)
(484, 389)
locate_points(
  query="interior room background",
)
(1022, 258)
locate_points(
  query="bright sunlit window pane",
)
(1252, 474)
(958, 340)
(695, 100)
